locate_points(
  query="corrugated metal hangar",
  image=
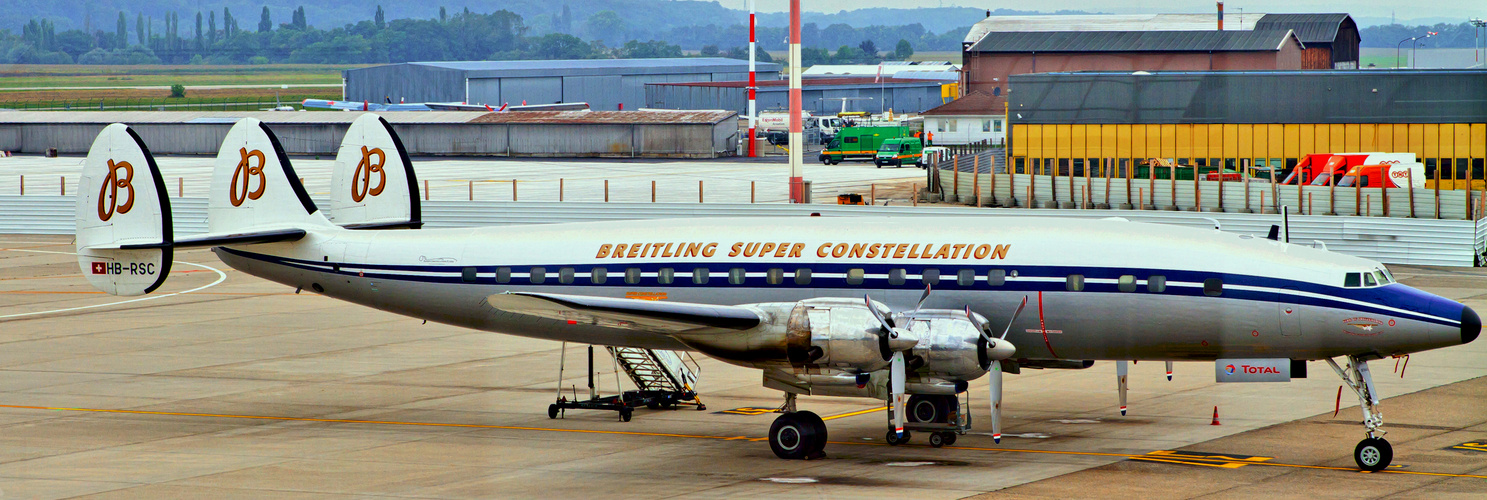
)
(651, 134)
(818, 95)
(1001, 46)
(603, 83)
(1244, 118)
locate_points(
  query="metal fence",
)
(981, 184)
(1388, 240)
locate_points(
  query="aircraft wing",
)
(630, 314)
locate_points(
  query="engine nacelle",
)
(839, 333)
(951, 346)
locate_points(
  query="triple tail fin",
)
(123, 216)
(254, 187)
(373, 185)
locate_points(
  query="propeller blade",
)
(1015, 314)
(1169, 371)
(887, 328)
(896, 386)
(1120, 382)
(995, 376)
(924, 297)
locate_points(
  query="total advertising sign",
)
(1252, 370)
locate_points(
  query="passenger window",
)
(1353, 280)
(538, 275)
(700, 275)
(632, 275)
(996, 277)
(599, 276)
(503, 275)
(966, 277)
(1127, 283)
(1213, 287)
(1368, 280)
(736, 276)
(775, 276)
(854, 276)
(468, 275)
(895, 276)
(1156, 284)
(930, 276)
(803, 276)
(1075, 283)
(665, 275)
(565, 275)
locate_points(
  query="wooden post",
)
(1173, 182)
(513, 189)
(699, 191)
(955, 177)
(1410, 178)
(23, 185)
(992, 172)
(653, 191)
(751, 191)
(914, 193)
(425, 189)
(1141, 198)
(64, 186)
(1437, 190)
(1244, 176)
(1151, 174)
(1332, 193)
(1369, 200)
(606, 190)
(560, 189)
(1384, 192)
(1221, 186)
(976, 177)
(180, 187)
(1358, 195)
(1309, 209)
(1274, 197)
(1262, 202)
(472, 190)
(872, 194)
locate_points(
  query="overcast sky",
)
(1404, 10)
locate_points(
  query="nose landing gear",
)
(1373, 453)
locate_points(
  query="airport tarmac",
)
(733, 180)
(224, 385)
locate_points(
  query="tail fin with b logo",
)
(254, 187)
(123, 215)
(373, 185)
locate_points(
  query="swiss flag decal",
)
(100, 268)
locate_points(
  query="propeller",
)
(1169, 371)
(890, 338)
(891, 344)
(896, 376)
(1120, 384)
(992, 352)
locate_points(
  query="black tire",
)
(814, 420)
(895, 440)
(937, 440)
(926, 409)
(1373, 454)
(626, 414)
(949, 439)
(552, 411)
(791, 437)
(835, 161)
(825, 160)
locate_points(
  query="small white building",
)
(967, 120)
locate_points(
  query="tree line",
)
(220, 38)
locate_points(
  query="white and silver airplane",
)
(823, 306)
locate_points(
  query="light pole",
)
(1477, 27)
(1414, 62)
(1427, 34)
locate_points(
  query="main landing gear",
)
(797, 435)
(1372, 453)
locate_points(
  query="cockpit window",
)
(1388, 274)
(1368, 280)
(1383, 278)
(1353, 280)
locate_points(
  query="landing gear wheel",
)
(792, 437)
(894, 439)
(926, 409)
(814, 420)
(625, 414)
(1373, 454)
(552, 411)
(949, 438)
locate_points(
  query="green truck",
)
(900, 151)
(859, 143)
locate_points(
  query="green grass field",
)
(19, 76)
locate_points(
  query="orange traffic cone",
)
(1215, 416)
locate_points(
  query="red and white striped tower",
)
(797, 184)
(753, 85)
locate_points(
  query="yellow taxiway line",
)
(665, 434)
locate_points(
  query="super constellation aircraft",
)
(823, 306)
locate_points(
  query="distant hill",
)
(643, 16)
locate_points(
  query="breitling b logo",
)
(361, 180)
(238, 192)
(108, 194)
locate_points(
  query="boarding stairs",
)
(658, 370)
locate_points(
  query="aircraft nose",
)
(1471, 325)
